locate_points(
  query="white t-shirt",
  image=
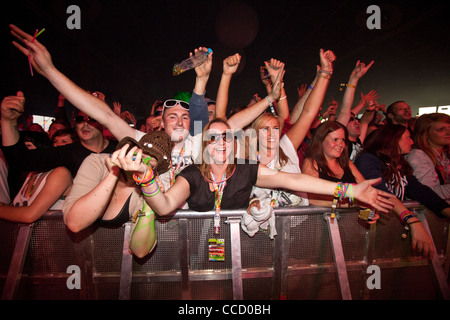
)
(22, 200)
(284, 197)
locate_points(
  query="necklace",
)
(28, 194)
(219, 186)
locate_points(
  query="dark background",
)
(126, 49)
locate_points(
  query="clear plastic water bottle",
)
(199, 58)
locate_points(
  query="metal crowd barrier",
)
(313, 257)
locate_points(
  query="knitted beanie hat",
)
(156, 144)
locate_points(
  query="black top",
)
(122, 217)
(348, 176)
(236, 193)
(20, 159)
(371, 167)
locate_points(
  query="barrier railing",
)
(313, 257)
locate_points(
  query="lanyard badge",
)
(218, 194)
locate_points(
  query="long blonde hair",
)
(258, 123)
(421, 133)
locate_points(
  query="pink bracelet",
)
(403, 213)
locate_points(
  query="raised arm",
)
(365, 99)
(366, 119)
(346, 106)
(198, 109)
(230, 66)
(12, 108)
(312, 105)
(298, 107)
(246, 116)
(281, 105)
(81, 99)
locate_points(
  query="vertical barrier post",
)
(338, 254)
(183, 236)
(370, 253)
(17, 261)
(282, 242)
(236, 262)
(126, 272)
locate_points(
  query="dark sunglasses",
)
(213, 138)
(353, 119)
(85, 118)
(173, 102)
(157, 113)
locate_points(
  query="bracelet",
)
(271, 106)
(149, 182)
(325, 71)
(409, 217)
(403, 213)
(337, 191)
(151, 194)
(406, 215)
(348, 192)
(325, 77)
(282, 98)
(149, 176)
(348, 85)
(342, 190)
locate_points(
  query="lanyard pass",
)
(216, 224)
(218, 193)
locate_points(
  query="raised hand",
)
(128, 160)
(231, 64)
(204, 69)
(360, 70)
(326, 60)
(277, 84)
(12, 107)
(117, 108)
(370, 96)
(301, 90)
(39, 56)
(273, 67)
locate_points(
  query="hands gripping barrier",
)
(313, 257)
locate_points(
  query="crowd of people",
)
(102, 167)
